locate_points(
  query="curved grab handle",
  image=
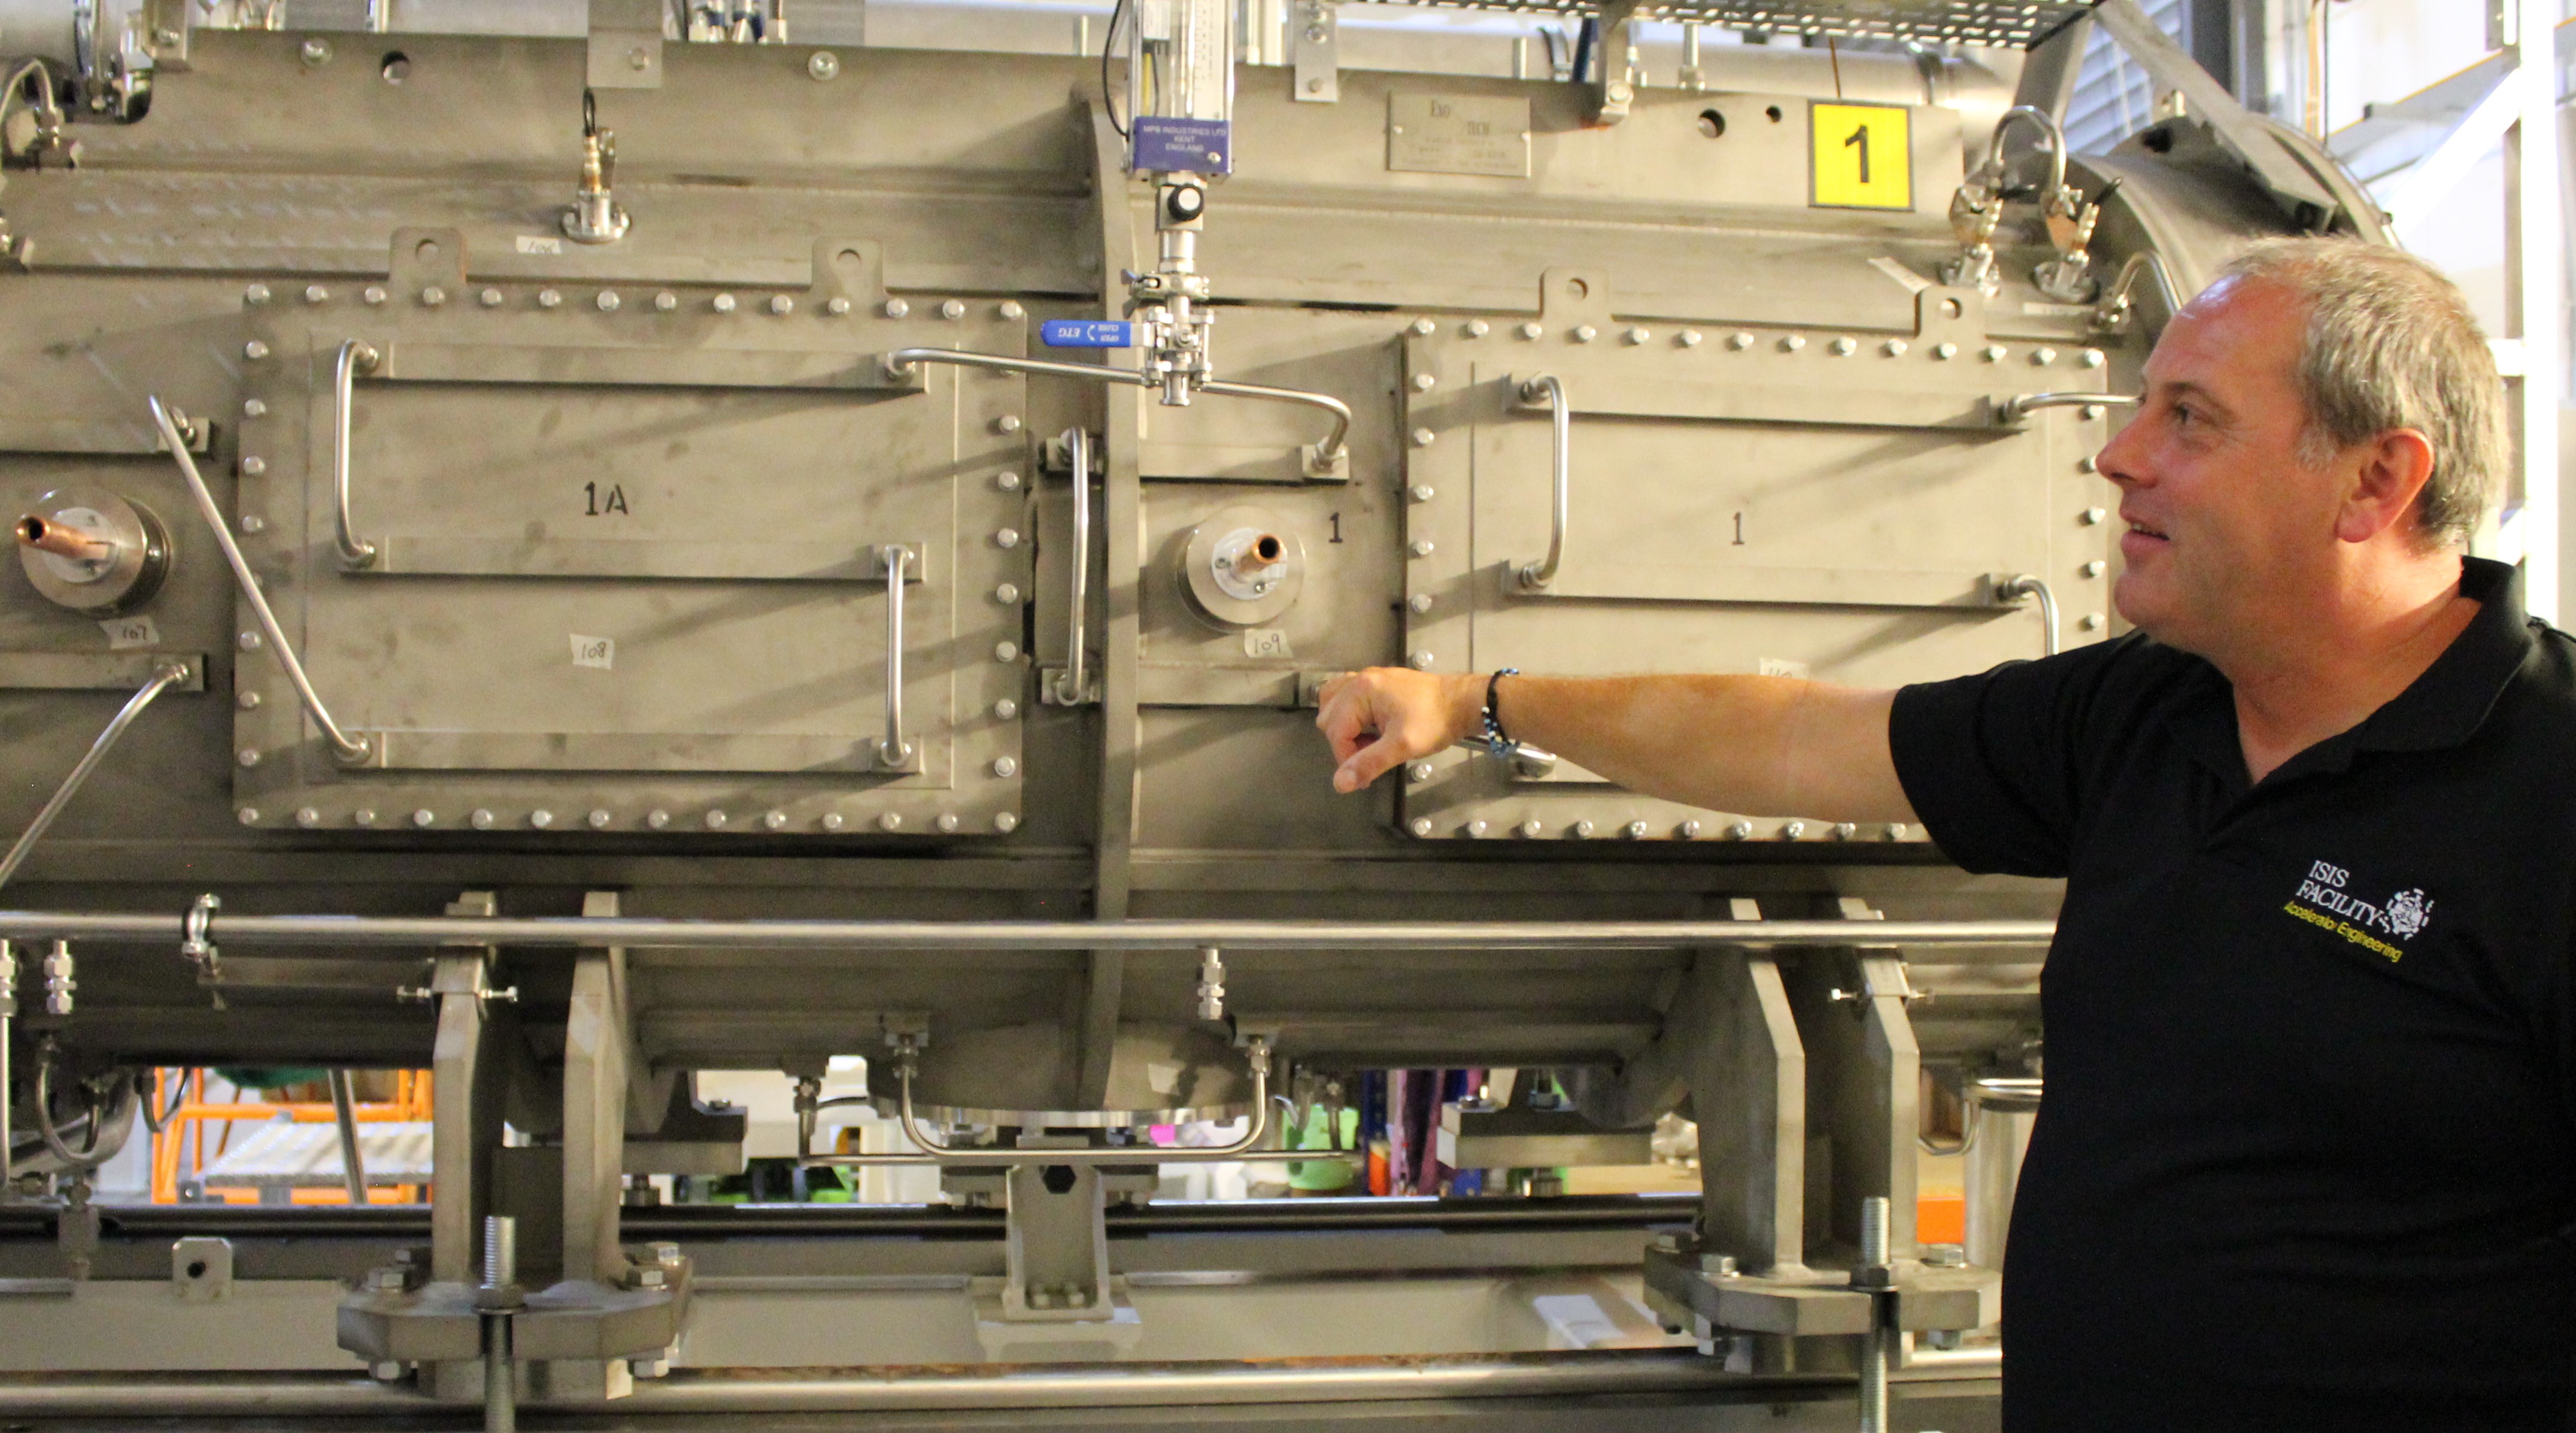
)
(1534, 576)
(2008, 589)
(2010, 411)
(894, 560)
(347, 748)
(355, 358)
(1073, 684)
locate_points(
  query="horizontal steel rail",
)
(595, 933)
(768, 1391)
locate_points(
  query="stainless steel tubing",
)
(903, 360)
(1330, 449)
(896, 752)
(354, 358)
(601, 932)
(162, 677)
(2049, 130)
(2120, 299)
(1534, 576)
(938, 1153)
(344, 1107)
(347, 748)
(715, 1391)
(1073, 685)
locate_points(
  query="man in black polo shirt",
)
(2307, 1158)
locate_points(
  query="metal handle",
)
(354, 358)
(162, 677)
(896, 753)
(2027, 585)
(1534, 576)
(2010, 411)
(1073, 684)
(348, 748)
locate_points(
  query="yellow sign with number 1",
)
(1863, 156)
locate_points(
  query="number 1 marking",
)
(1860, 137)
(1739, 529)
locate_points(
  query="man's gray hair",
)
(2391, 344)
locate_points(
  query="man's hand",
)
(1381, 718)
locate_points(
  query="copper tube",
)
(1263, 551)
(65, 539)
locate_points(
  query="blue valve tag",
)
(1087, 333)
(1182, 146)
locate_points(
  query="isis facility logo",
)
(2323, 901)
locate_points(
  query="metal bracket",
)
(2298, 192)
(197, 942)
(1315, 51)
(1615, 91)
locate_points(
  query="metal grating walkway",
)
(1999, 24)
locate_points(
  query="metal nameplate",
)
(1458, 134)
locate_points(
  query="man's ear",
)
(2389, 474)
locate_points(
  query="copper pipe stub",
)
(65, 539)
(1263, 551)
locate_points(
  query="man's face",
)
(2225, 524)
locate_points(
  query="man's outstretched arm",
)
(1773, 746)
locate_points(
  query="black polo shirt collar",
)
(2441, 709)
